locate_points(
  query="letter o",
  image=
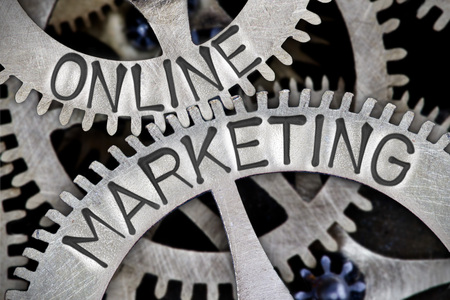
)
(83, 75)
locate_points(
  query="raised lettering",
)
(136, 73)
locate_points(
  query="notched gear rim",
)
(175, 41)
(415, 194)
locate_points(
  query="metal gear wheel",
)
(417, 178)
(168, 83)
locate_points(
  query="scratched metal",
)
(184, 74)
(209, 156)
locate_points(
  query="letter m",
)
(75, 242)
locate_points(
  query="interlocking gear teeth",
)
(28, 129)
(425, 8)
(371, 57)
(260, 43)
(421, 145)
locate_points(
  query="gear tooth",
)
(6, 129)
(66, 113)
(426, 129)
(9, 193)
(154, 132)
(44, 105)
(276, 87)
(395, 54)
(99, 168)
(347, 223)
(239, 105)
(444, 141)
(161, 288)
(2, 147)
(23, 93)
(442, 21)
(6, 169)
(328, 242)
(84, 183)
(380, 5)
(398, 80)
(55, 216)
(266, 72)
(205, 110)
(10, 155)
(285, 271)
(194, 112)
(136, 125)
(4, 76)
(311, 17)
(424, 9)
(16, 215)
(217, 108)
(308, 258)
(212, 291)
(226, 99)
(262, 100)
(390, 25)
(434, 113)
(327, 97)
(160, 122)
(301, 36)
(325, 83)
(33, 254)
(23, 273)
(22, 179)
(34, 201)
(174, 122)
(419, 106)
(187, 290)
(69, 199)
(111, 124)
(43, 235)
(283, 97)
(406, 121)
(182, 118)
(446, 123)
(86, 21)
(88, 120)
(284, 57)
(368, 106)
(134, 143)
(14, 294)
(247, 87)
(346, 102)
(388, 111)
(305, 97)
(72, 25)
(117, 154)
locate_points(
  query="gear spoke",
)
(207, 221)
(404, 277)
(255, 275)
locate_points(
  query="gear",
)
(6, 239)
(370, 55)
(425, 8)
(113, 216)
(159, 85)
